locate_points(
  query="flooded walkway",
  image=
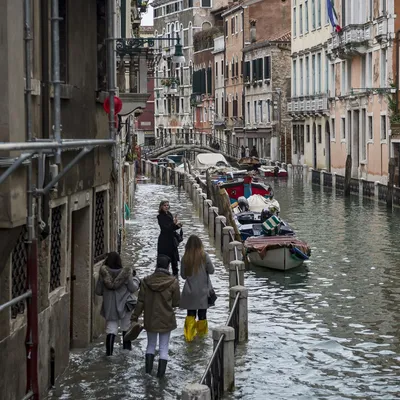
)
(329, 330)
(91, 374)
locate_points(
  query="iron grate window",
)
(99, 236)
(19, 272)
(55, 250)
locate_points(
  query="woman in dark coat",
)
(167, 241)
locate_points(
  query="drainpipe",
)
(32, 336)
(397, 42)
(55, 36)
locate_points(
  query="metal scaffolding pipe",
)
(17, 163)
(64, 144)
(55, 49)
(56, 179)
(15, 300)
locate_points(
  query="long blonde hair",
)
(194, 255)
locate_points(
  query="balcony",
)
(381, 29)
(352, 41)
(308, 106)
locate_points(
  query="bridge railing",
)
(195, 139)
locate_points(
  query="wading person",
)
(196, 266)
(168, 239)
(117, 285)
(158, 296)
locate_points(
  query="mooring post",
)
(305, 173)
(211, 221)
(376, 190)
(203, 198)
(236, 268)
(168, 175)
(195, 391)
(243, 319)
(334, 180)
(228, 354)
(199, 205)
(218, 232)
(235, 255)
(227, 233)
(207, 206)
(195, 186)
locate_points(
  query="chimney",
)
(253, 36)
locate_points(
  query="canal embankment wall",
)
(219, 376)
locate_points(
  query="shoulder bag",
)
(212, 297)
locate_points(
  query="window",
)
(190, 2)
(227, 71)
(369, 70)
(383, 68)
(56, 252)
(255, 112)
(348, 125)
(318, 13)
(314, 75)
(301, 19)
(363, 75)
(343, 128)
(216, 69)
(301, 139)
(307, 88)
(308, 133)
(190, 35)
(100, 246)
(226, 28)
(306, 16)
(370, 128)
(294, 21)
(319, 73)
(343, 80)
(235, 106)
(236, 24)
(182, 106)
(301, 77)
(247, 71)
(319, 133)
(333, 129)
(294, 78)
(248, 112)
(232, 25)
(383, 127)
(363, 134)
(260, 102)
(267, 67)
(206, 3)
(326, 70)
(312, 14)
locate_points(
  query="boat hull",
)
(280, 259)
(270, 173)
(237, 189)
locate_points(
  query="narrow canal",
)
(329, 330)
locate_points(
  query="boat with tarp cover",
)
(277, 252)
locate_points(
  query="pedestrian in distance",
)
(247, 152)
(242, 152)
(169, 238)
(196, 266)
(254, 152)
(117, 285)
(158, 296)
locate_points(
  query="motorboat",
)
(277, 252)
(246, 187)
(249, 163)
(272, 171)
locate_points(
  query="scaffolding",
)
(40, 149)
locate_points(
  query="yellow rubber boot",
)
(189, 329)
(202, 327)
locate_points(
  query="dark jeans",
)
(202, 314)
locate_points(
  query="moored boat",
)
(273, 171)
(246, 187)
(277, 252)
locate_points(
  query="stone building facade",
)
(75, 223)
(173, 83)
(267, 87)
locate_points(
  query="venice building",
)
(73, 225)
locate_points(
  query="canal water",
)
(328, 330)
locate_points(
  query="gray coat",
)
(195, 291)
(115, 285)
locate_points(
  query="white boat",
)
(272, 171)
(276, 252)
(258, 203)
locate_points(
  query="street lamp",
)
(178, 57)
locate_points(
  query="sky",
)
(147, 18)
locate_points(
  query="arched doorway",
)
(327, 146)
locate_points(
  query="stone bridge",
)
(228, 150)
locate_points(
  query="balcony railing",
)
(308, 105)
(352, 40)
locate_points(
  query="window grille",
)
(99, 236)
(19, 272)
(55, 249)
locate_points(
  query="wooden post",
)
(389, 195)
(347, 176)
(227, 212)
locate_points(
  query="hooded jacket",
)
(158, 296)
(115, 285)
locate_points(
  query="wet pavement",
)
(328, 330)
